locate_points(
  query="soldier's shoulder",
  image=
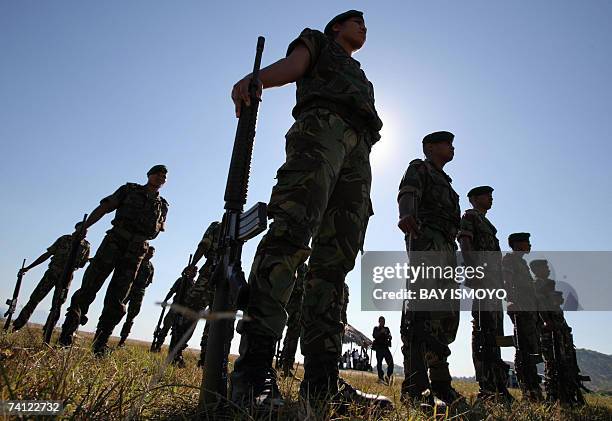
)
(164, 201)
(85, 243)
(470, 214)
(312, 33)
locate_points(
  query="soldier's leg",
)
(334, 249)
(204, 343)
(389, 360)
(96, 273)
(46, 284)
(292, 335)
(525, 359)
(316, 146)
(379, 361)
(134, 305)
(117, 291)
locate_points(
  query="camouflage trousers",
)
(487, 325)
(200, 296)
(134, 303)
(426, 329)
(292, 335)
(45, 285)
(323, 194)
(527, 354)
(117, 254)
(167, 323)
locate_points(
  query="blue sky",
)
(94, 93)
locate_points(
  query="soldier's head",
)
(150, 253)
(519, 241)
(348, 28)
(540, 268)
(481, 197)
(77, 227)
(381, 321)
(438, 146)
(190, 271)
(157, 176)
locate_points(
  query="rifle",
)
(61, 287)
(12, 302)
(158, 329)
(231, 288)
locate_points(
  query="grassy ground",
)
(131, 383)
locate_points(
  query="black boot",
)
(121, 343)
(254, 379)
(71, 324)
(99, 345)
(443, 391)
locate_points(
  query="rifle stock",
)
(237, 227)
(61, 288)
(12, 302)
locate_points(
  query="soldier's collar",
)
(450, 180)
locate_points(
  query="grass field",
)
(131, 383)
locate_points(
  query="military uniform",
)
(59, 250)
(562, 379)
(488, 316)
(322, 192)
(134, 299)
(427, 334)
(294, 313)
(140, 216)
(522, 309)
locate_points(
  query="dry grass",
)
(131, 383)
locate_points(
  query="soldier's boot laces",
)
(254, 383)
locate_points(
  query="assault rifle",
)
(61, 288)
(12, 302)
(157, 330)
(237, 227)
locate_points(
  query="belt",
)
(127, 235)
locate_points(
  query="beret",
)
(538, 262)
(341, 18)
(480, 190)
(436, 137)
(157, 169)
(519, 236)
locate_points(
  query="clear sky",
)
(92, 94)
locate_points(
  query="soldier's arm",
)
(408, 197)
(465, 238)
(173, 290)
(285, 70)
(37, 262)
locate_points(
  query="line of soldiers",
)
(320, 207)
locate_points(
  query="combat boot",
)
(121, 343)
(18, 323)
(253, 381)
(179, 362)
(99, 345)
(70, 325)
(443, 391)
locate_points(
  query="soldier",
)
(382, 345)
(480, 248)
(562, 379)
(323, 190)
(294, 313)
(58, 252)
(429, 217)
(140, 216)
(522, 309)
(173, 320)
(134, 299)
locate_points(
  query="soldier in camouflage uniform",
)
(173, 319)
(480, 248)
(134, 299)
(562, 379)
(140, 216)
(323, 193)
(522, 309)
(58, 252)
(294, 313)
(429, 217)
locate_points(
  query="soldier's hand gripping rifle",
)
(12, 302)
(237, 227)
(61, 288)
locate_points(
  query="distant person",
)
(144, 278)
(382, 347)
(58, 252)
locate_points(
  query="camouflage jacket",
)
(180, 289)
(144, 276)
(138, 211)
(486, 250)
(518, 283)
(549, 299)
(437, 201)
(60, 250)
(334, 80)
(209, 244)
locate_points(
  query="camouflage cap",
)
(157, 168)
(518, 236)
(341, 18)
(436, 137)
(476, 191)
(538, 263)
